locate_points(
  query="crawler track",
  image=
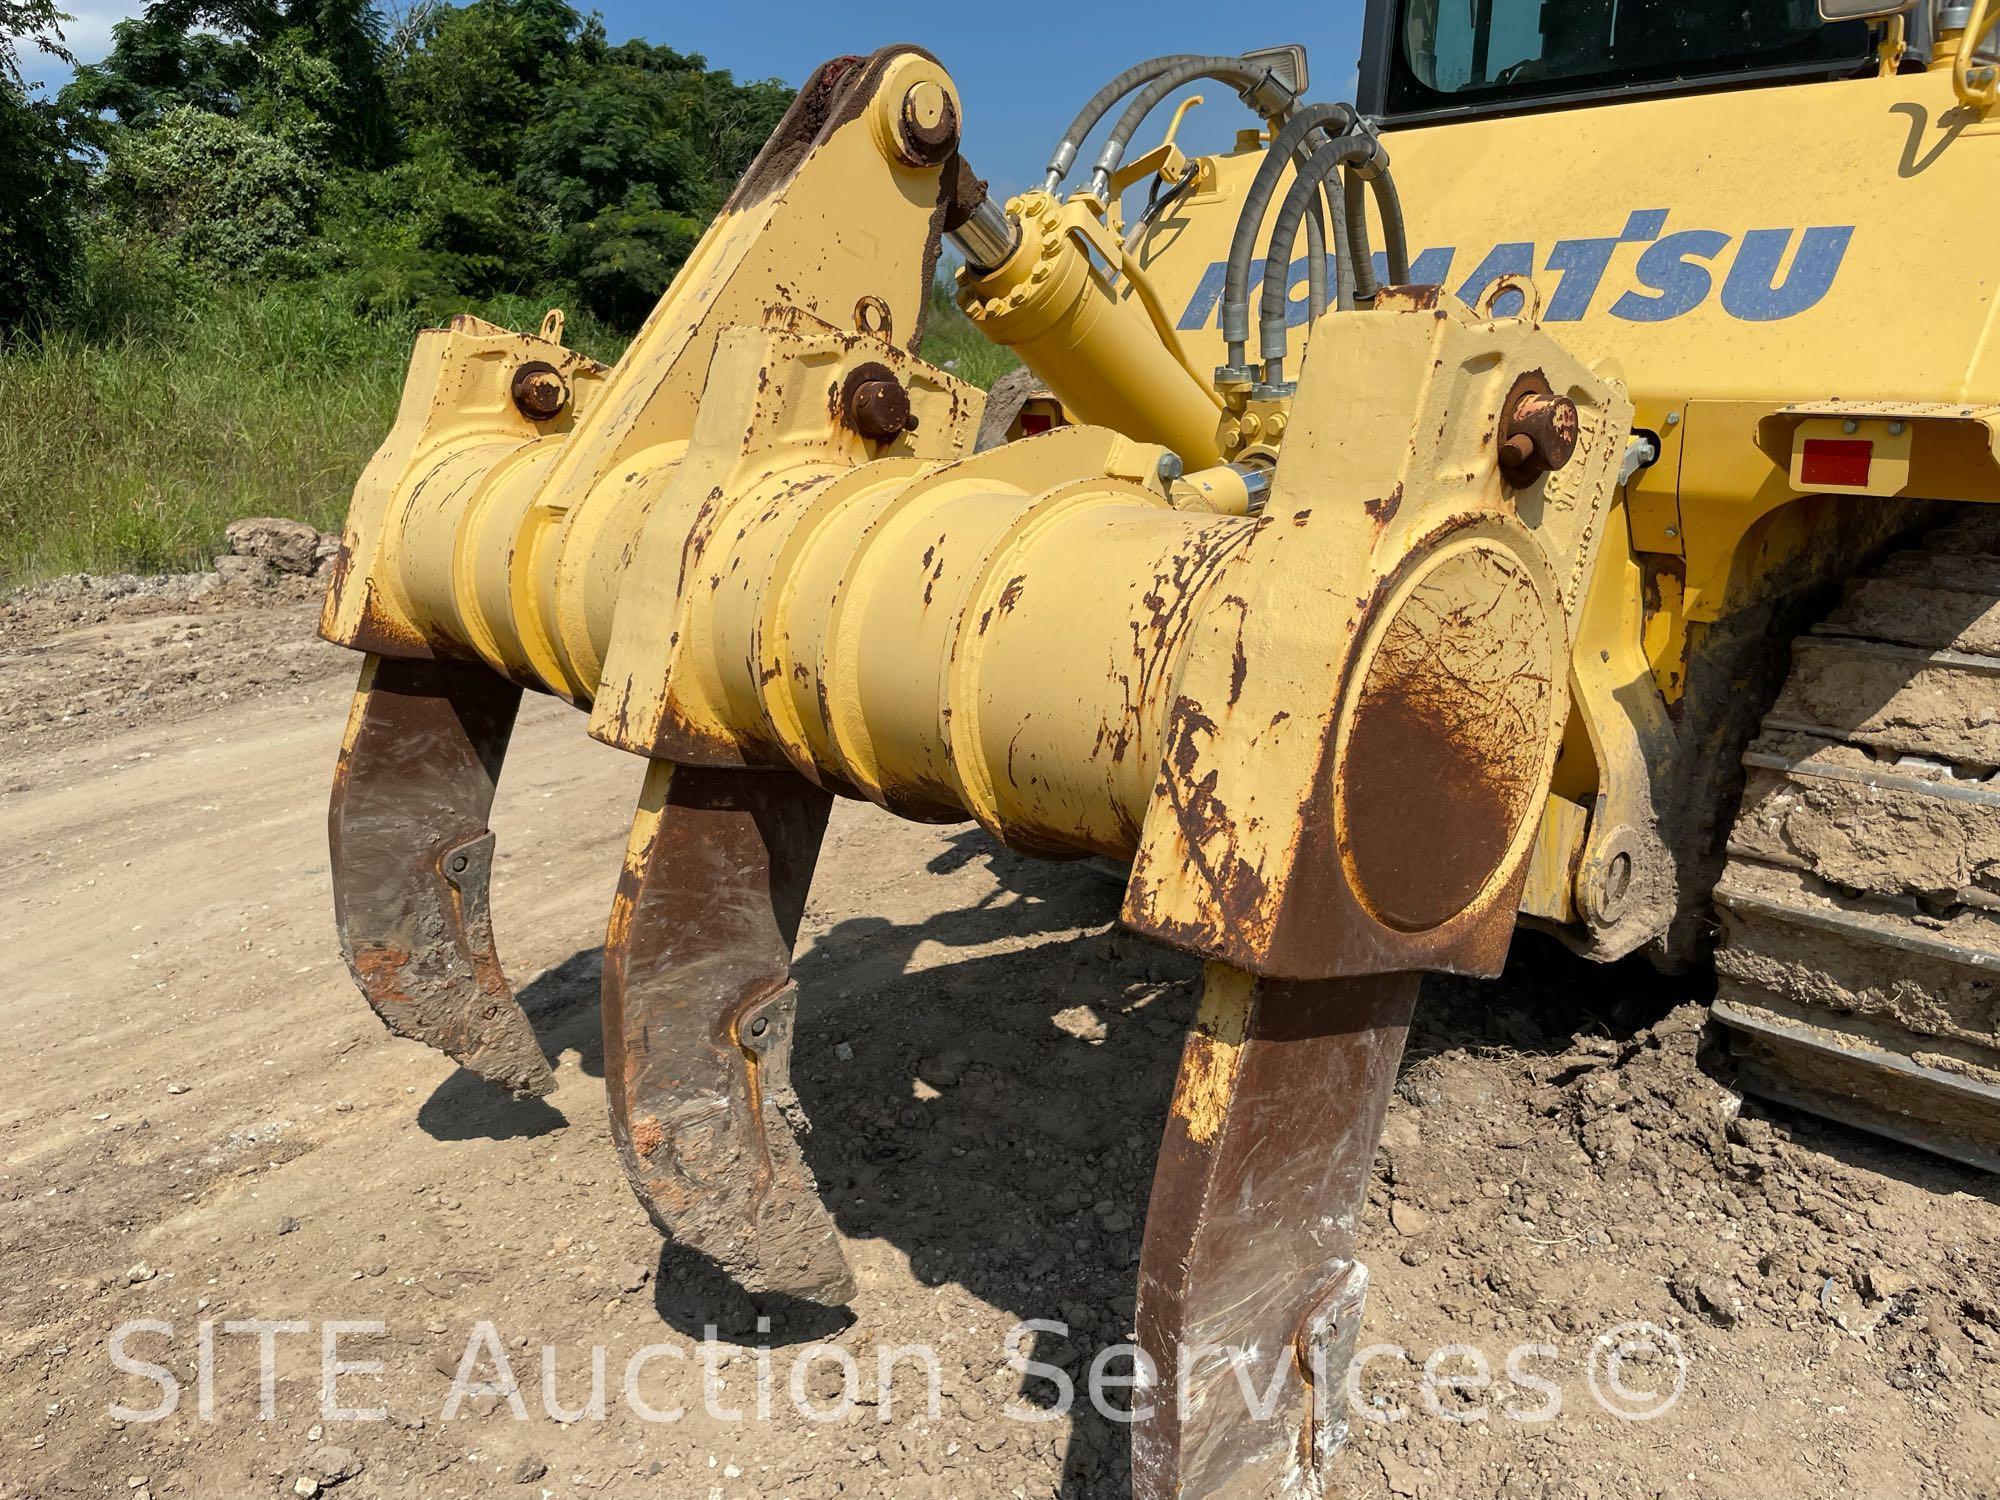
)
(1860, 963)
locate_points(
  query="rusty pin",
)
(1538, 431)
(928, 132)
(540, 391)
(874, 403)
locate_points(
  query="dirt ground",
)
(205, 1124)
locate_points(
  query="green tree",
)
(477, 74)
(270, 59)
(431, 228)
(40, 177)
(633, 150)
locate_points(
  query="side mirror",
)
(1861, 10)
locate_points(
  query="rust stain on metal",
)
(412, 859)
(1444, 746)
(539, 391)
(1238, 893)
(647, 1136)
(696, 1070)
(1415, 297)
(1383, 510)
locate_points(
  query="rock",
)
(528, 1470)
(330, 1465)
(1885, 1283)
(287, 1224)
(1081, 1022)
(843, 1051)
(1003, 403)
(1709, 1297)
(140, 1272)
(253, 571)
(287, 546)
(177, 1088)
(1407, 1218)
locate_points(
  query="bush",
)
(216, 191)
(431, 229)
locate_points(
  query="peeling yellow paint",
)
(1214, 1052)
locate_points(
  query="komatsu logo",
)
(1774, 274)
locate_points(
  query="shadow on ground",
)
(987, 1088)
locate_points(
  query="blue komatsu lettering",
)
(1750, 292)
(1584, 262)
(1670, 268)
(1207, 298)
(1430, 268)
(1515, 258)
(1675, 273)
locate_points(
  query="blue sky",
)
(1023, 72)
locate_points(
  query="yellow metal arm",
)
(1976, 86)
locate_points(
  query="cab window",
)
(1461, 51)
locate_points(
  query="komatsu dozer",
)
(1427, 514)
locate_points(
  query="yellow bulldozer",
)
(1542, 491)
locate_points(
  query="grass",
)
(129, 448)
(952, 343)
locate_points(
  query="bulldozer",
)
(1590, 541)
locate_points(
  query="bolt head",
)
(874, 403)
(539, 391)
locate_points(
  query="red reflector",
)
(1035, 423)
(1836, 461)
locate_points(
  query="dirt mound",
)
(87, 654)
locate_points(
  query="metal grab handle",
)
(1979, 87)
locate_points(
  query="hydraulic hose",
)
(1337, 120)
(1243, 76)
(1284, 235)
(1395, 234)
(1354, 194)
(1099, 105)
(1395, 237)
(1315, 259)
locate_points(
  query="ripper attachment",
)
(760, 553)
